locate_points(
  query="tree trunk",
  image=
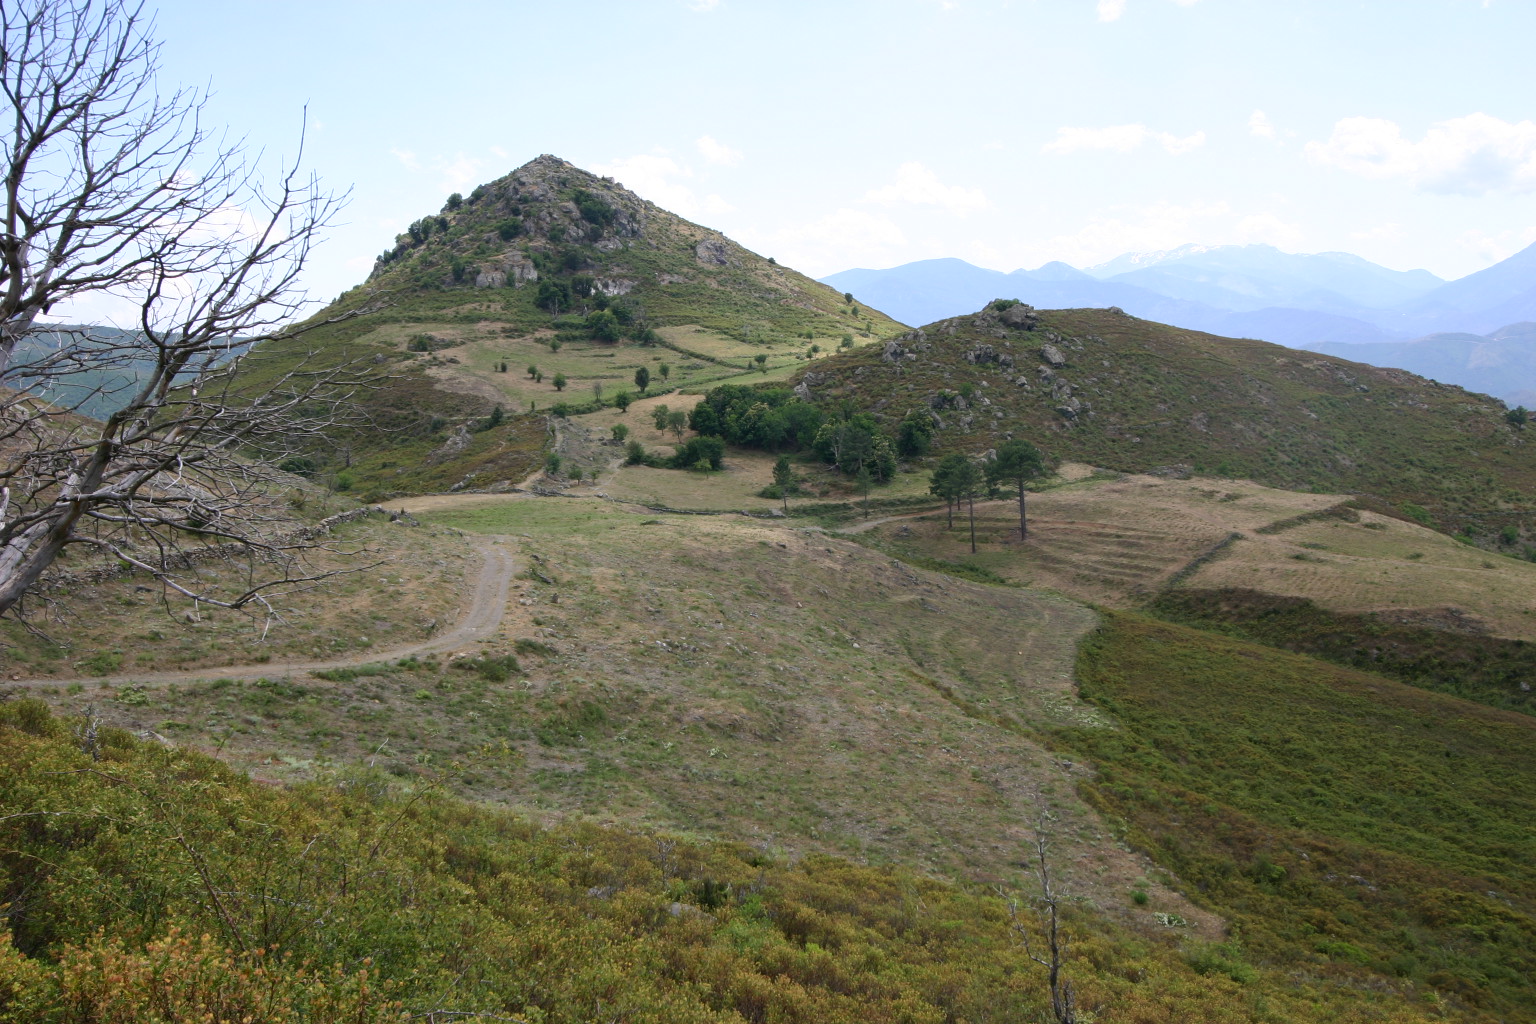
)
(973, 524)
(949, 508)
(1023, 526)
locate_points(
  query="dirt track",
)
(478, 620)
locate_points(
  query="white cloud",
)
(718, 152)
(1472, 155)
(1158, 226)
(1260, 125)
(659, 178)
(1266, 227)
(1110, 10)
(1491, 248)
(1176, 145)
(1391, 231)
(917, 185)
(1119, 138)
(460, 173)
(842, 239)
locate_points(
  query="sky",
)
(870, 133)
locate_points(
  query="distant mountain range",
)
(1462, 329)
(1502, 363)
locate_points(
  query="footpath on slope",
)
(480, 619)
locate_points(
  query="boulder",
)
(1022, 317)
(1052, 355)
(713, 252)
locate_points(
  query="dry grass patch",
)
(1383, 564)
(1111, 541)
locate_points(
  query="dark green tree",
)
(1016, 464)
(968, 483)
(941, 483)
(784, 479)
(915, 435)
(642, 379)
(863, 483)
(622, 399)
(603, 325)
(560, 382)
(659, 417)
(700, 453)
(553, 295)
(620, 432)
(677, 422)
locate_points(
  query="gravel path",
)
(478, 621)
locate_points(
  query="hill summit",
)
(550, 288)
(561, 237)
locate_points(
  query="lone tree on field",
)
(642, 379)
(784, 479)
(115, 190)
(1016, 463)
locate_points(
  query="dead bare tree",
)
(114, 189)
(1050, 950)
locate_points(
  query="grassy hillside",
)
(147, 884)
(1133, 395)
(1336, 818)
(554, 268)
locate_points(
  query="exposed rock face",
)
(807, 382)
(713, 251)
(1021, 316)
(453, 446)
(983, 354)
(491, 279)
(1051, 354)
(612, 286)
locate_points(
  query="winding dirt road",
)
(478, 621)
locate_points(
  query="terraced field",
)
(1119, 541)
(1380, 564)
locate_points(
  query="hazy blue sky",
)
(850, 133)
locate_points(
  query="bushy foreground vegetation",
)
(148, 884)
(1342, 822)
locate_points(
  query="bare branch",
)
(112, 187)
